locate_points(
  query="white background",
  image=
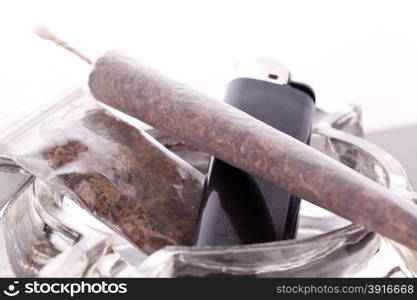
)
(360, 52)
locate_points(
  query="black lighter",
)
(239, 208)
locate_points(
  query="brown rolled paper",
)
(251, 145)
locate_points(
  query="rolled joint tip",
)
(43, 32)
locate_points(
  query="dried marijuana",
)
(150, 194)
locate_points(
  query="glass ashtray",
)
(45, 234)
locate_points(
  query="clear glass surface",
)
(46, 234)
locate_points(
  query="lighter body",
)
(239, 208)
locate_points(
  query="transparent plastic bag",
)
(115, 170)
